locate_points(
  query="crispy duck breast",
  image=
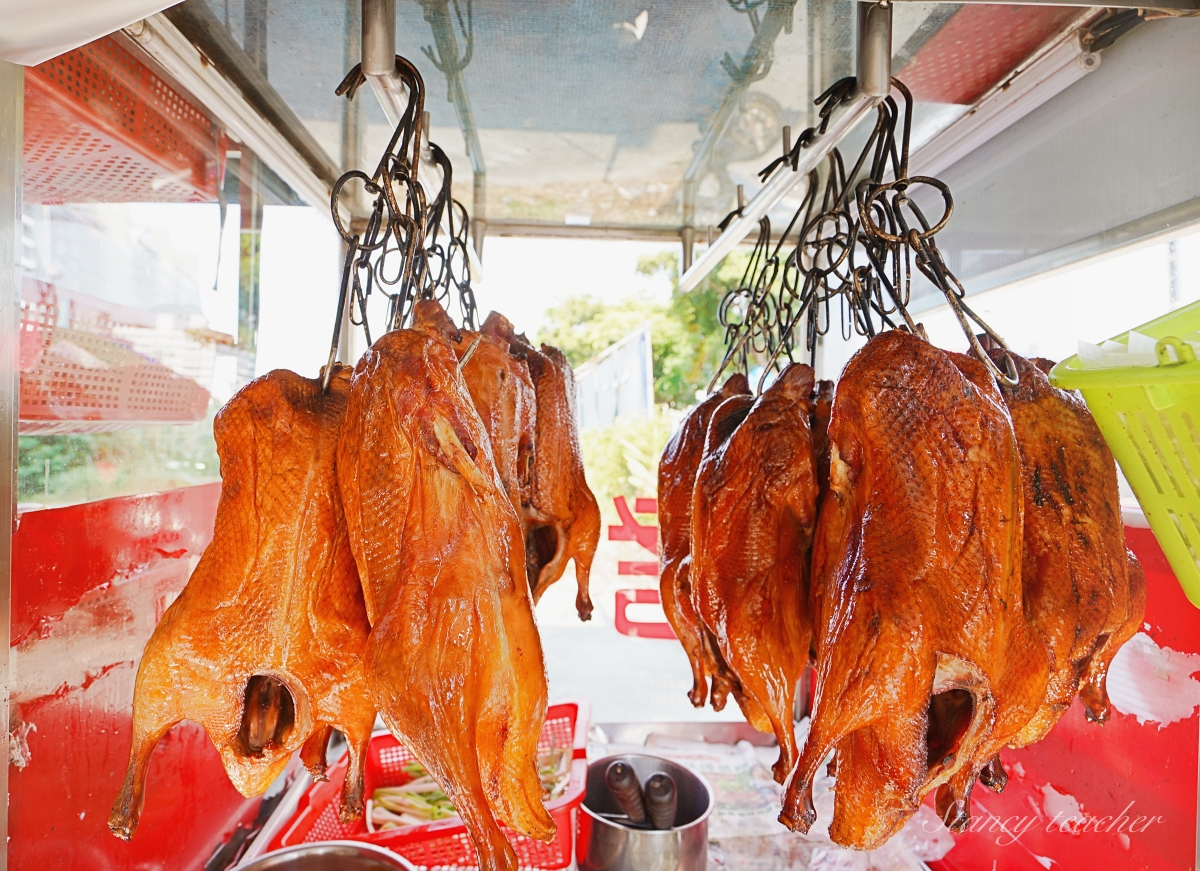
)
(753, 511)
(926, 665)
(676, 481)
(1081, 592)
(453, 660)
(503, 395)
(721, 426)
(564, 521)
(263, 647)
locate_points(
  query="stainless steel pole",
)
(379, 57)
(12, 115)
(874, 49)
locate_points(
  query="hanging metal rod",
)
(379, 57)
(874, 81)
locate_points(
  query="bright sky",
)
(524, 277)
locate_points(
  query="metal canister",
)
(330, 856)
(604, 843)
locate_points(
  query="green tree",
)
(688, 344)
(687, 337)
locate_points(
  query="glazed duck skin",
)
(564, 523)
(676, 481)
(723, 679)
(453, 660)
(753, 512)
(264, 645)
(926, 665)
(1081, 591)
(503, 395)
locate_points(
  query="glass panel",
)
(586, 112)
(143, 280)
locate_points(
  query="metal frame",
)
(1047, 73)
(1146, 230)
(169, 48)
(874, 59)
(776, 19)
(12, 122)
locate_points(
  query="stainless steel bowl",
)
(330, 856)
(603, 844)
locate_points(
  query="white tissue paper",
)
(744, 830)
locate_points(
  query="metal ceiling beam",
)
(874, 59)
(624, 232)
(217, 49)
(158, 37)
(756, 63)
(379, 57)
(545, 229)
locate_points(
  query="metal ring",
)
(902, 186)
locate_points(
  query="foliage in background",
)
(622, 459)
(687, 338)
(688, 344)
(86, 467)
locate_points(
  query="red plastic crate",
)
(101, 127)
(445, 843)
(83, 378)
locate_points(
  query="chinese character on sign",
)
(647, 537)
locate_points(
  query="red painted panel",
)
(1118, 768)
(978, 47)
(59, 554)
(89, 584)
(59, 802)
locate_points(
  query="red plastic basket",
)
(83, 378)
(445, 843)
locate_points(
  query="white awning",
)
(33, 31)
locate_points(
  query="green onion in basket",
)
(421, 800)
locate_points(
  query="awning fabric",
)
(33, 31)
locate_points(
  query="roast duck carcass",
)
(926, 665)
(822, 402)
(1084, 591)
(453, 660)
(676, 481)
(754, 507)
(503, 395)
(263, 647)
(563, 521)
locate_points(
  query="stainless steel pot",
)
(330, 856)
(604, 844)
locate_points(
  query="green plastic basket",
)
(1150, 417)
